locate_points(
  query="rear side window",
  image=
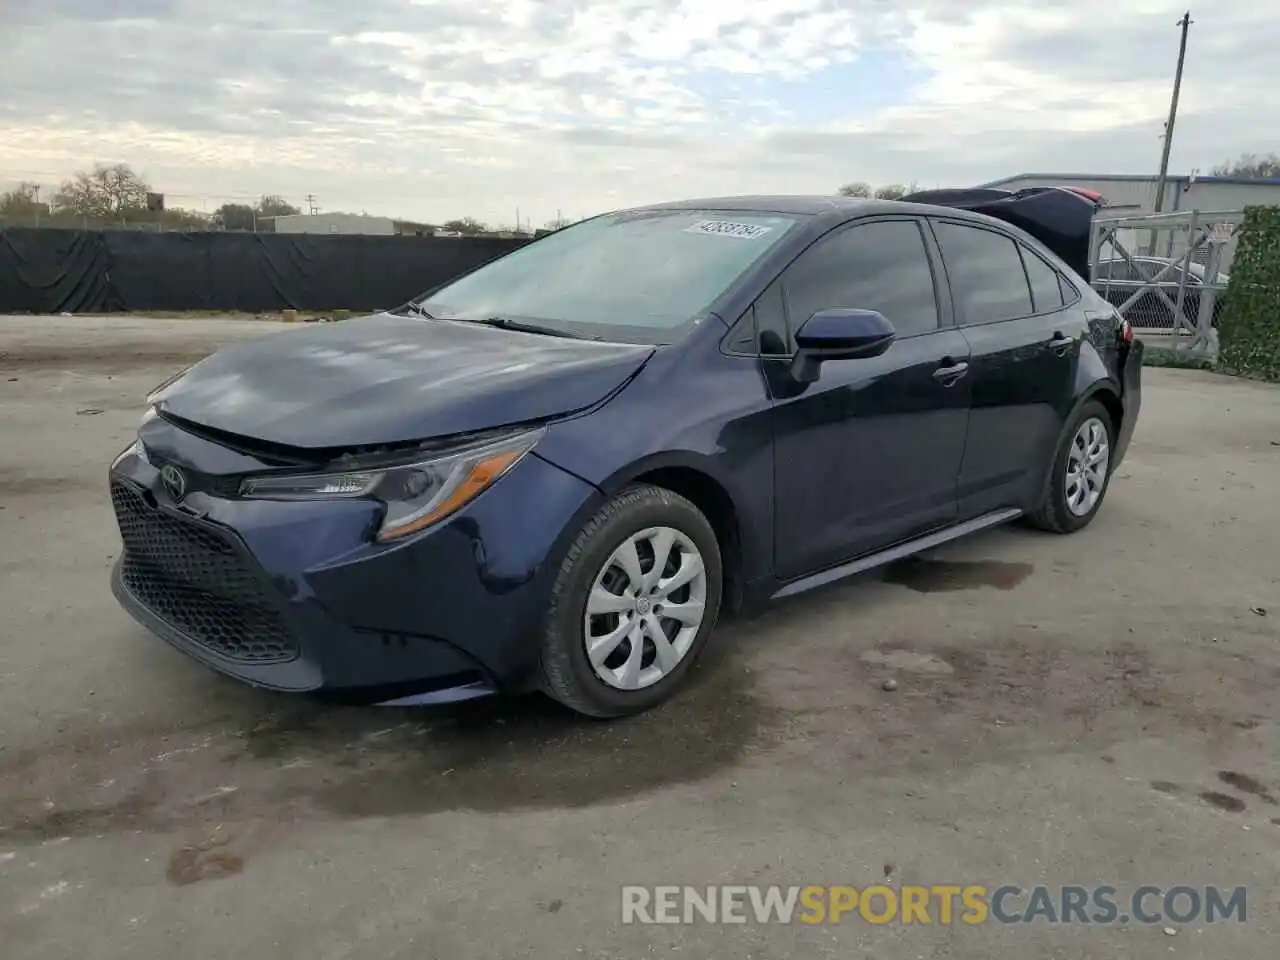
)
(988, 282)
(878, 266)
(1124, 271)
(1046, 293)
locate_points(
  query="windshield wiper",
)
(414, 308)
(506, 323)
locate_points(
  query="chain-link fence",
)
(1166, 273)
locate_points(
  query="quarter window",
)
(987, 279)
(1046, 294)
(771, 321)
(878, 266)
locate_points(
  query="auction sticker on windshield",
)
(727, 228)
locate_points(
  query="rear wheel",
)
(634, 603)
(1080, 472)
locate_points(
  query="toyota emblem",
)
(174, 480)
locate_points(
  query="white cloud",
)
(438, 108)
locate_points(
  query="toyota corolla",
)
(558, 470)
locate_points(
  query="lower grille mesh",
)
(199, 582)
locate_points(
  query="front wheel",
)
(636, 599)
(1080, 472)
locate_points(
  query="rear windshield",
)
(640, 275)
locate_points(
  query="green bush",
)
(1166, 357)
(1249, 329)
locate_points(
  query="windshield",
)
(640, 275)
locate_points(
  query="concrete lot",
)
(1092, 709)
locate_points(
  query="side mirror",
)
(839, 335)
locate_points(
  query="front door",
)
(868, 454)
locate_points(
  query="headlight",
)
(416, 494)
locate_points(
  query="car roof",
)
(808, 205)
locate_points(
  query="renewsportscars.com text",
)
(971, 904)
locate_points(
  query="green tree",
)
(107, 192)
(1250, 165)
(235, 216)
(856, 189)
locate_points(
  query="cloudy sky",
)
(442, 108)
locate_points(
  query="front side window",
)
(639, 275)
(879, 266)
(985, 270)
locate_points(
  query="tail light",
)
(1126, 331)
(1097, 199)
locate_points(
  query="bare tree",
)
(467, 226)
(856, 189)
(276, 206)
(108, 192)
(23, 201)
(1250, 165)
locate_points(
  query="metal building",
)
(350, 223)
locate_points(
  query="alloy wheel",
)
(645, 608)
(1087, 462)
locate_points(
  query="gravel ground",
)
(1092, 709)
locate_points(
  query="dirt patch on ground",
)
(17, 483)
(304, 758)
(995, 701)
(100, 358)
(1001, 700)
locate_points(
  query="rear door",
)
(1012, 306)
(868, 454)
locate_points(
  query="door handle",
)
(950, 372)
(1060, 343)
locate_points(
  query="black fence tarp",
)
(84, 271)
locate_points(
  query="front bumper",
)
(296, 596)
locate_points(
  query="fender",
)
(641, 431)
(754, 542)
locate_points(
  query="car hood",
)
(389, 379)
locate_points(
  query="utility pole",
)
(1185, 24)
(311, 203)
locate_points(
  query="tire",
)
(1057, 511)
(623, 684)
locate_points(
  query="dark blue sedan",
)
(557, 471)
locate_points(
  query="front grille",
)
(199, 582)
